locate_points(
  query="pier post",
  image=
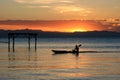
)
(35, 42)
(13, 43)
(29, 42)
(9, 43)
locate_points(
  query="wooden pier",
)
(13, 36)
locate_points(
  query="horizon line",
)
(58, 19)
(59, 31)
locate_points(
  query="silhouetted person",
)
(76, 50)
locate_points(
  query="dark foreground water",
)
(103, 64)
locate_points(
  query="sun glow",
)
(78, 30)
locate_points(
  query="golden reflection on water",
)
(75, 75)
(66, 65)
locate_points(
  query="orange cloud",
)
(42, 1)
(58, 7)
(60, 25)
(71, 9)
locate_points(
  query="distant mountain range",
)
(47, 34)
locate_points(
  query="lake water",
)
(103, 64)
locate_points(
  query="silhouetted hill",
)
(45, 34)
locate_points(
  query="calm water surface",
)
(104, 64)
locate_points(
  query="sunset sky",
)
(60, 10)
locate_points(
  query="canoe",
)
(74, 52)
(62, 51)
